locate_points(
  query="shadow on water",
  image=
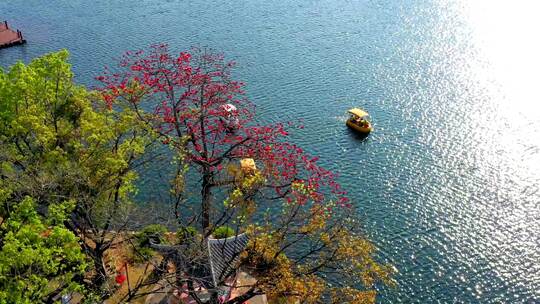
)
(358, 136)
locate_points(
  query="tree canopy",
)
(69, 163)
(39, 257)
(57, 144)
(202, 113)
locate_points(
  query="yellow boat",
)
(359, 121)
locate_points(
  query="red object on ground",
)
(9, 37)
(120, 278)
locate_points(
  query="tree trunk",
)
(99, 266)
(206, 201)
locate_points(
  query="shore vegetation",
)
(71, 161)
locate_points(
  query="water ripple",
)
(447, 185)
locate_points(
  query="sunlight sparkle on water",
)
(506, 34)
(506, 37)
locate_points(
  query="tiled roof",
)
(224, 254)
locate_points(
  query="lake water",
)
(447, 185)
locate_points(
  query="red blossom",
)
(120, 278)
(189, 92)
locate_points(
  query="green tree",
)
(57, 143)
(39, 257)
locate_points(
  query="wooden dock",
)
(9, 37)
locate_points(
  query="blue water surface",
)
(448, 183)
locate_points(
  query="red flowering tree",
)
(201, 111)
(192, 102)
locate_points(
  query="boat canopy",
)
(358, 112)
(229, 107)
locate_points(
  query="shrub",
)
(186, 234)
(223, 232)
(153, 232)
(142, 251)
(142, 254)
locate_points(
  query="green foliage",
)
(76, 158)
(154, 233)
(142, 254)
(223, 232)
(57, 140)
(37, 255)
(91, 298)
(186, 234)
(59, 213)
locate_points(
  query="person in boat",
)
(230, 120)
(362, 122)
